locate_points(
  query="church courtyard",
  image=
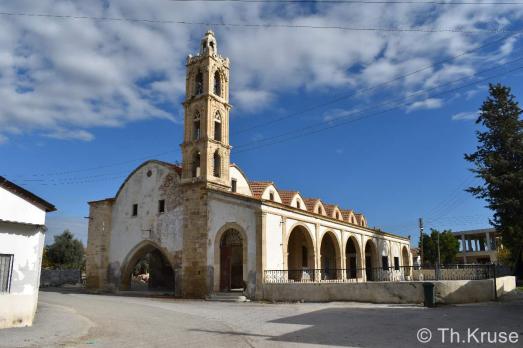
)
(68, 319)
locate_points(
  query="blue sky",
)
(85, 101)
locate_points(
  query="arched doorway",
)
(231, 261)
(300, 255)
(352, 258)
(330, 258)
(148, 270)
(371, 260)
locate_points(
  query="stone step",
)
(227, 297)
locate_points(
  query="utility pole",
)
(421, 240)
(439, 254)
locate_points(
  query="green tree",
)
(66, 251)
(498, 161)
(448, 245)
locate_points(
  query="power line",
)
(263, 142)
(312, 129)
(265, 25)
(103, 166)
(382, 84)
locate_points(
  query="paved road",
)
(81, 320)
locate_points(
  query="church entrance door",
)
(231, 261)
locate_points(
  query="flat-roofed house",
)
(22, 235)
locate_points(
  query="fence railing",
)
(387, 274)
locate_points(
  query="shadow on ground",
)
(391, 327)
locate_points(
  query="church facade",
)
(205, 227)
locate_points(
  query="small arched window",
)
(198, 83)
(217, 126)
(217, 168)
(298, 205)
(196, 126)
(319, 209)
(196, 165)
(217, 83)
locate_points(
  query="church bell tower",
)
(205, 148)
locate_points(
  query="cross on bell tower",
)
(205, 148)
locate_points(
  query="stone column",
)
(284, 241)
(487, 238)
(317, 247)
(98, 246)
(261, 253)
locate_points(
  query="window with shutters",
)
(6, 270)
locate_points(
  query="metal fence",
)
(387, 274)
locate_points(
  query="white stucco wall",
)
(294, 202)
(25, 242)
(386, 245)
(274, 242)
(129, 231)
(16, 209)
(242, 186)
(224, 211)
(267, 194)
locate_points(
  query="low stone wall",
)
(405, 292)
(58, 277)
(505, 285)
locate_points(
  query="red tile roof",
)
(310, 203)
(329, 208)
(346, 214)
(287, 196)
(360, 219)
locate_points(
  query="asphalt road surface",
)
(66, 319)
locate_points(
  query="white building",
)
(205, 227)
(22, 235)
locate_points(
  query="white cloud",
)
(62, 77)
(465, 116)
(252, 100)
(427, 104)
(66, 134)
(334, 114)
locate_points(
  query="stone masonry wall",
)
(99, 236)
(195, 225)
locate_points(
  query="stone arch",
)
(198, 83)
(161, 274)
(353, 258)
(217, 90)
(330, 256)
(197, 126)
(371, 259)
(218, 255)
(218, 125)
(196, 163)
(300, 253)
(217, 164)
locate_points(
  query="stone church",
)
(204, 227)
